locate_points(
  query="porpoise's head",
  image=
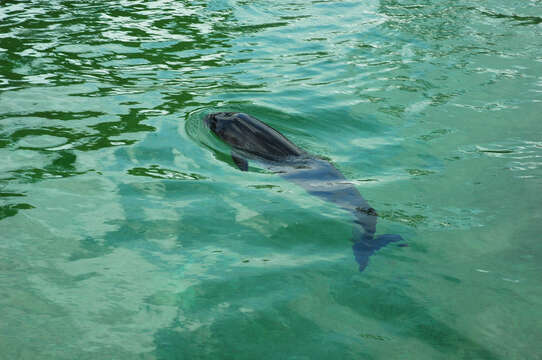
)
(223, 125)
(218, 122)
(249, 134)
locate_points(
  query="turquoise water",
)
(126, 232)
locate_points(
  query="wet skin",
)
(251, 139)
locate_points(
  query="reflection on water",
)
(154, 171)
(127, 232)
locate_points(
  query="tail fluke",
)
(364, 248)
(383, 240)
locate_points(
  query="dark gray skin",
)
(251, 139)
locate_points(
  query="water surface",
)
(126, 231)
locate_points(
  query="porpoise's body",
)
(251, 139)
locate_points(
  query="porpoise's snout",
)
(208, 120)
(211, 121)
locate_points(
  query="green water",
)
(126, 232)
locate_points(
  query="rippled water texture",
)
(126, 232)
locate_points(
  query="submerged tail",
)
(364, 248)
